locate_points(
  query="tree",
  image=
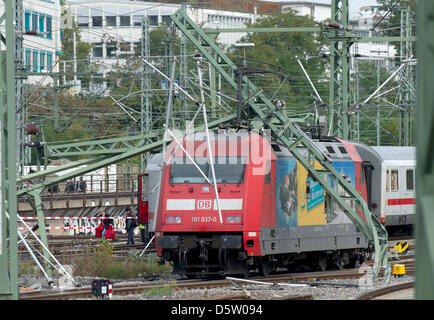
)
(279, 52)
(392, 22)
(84, 67)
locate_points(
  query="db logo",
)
(203, 205)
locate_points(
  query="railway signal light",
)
(102, 287)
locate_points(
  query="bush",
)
(158, 291)
(102, 263)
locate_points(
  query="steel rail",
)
(377, 293)
(85, 292)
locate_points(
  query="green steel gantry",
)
(341, 38)
(110, 151)
(8, 203)
(424, 152)
(286, 130)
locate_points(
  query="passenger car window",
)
(392, 183)
(410, 179)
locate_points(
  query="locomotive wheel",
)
(322, 263)
(265, 267)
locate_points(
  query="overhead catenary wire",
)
(210, 156)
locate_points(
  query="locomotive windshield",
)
(228, 170)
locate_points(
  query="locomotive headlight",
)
(233, 219)
(173, 219)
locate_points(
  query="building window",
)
(96, 14)
(97, 51)
(41, 24)
(28, 59)
(110, 51)
(49, 61)
(124, 16)
(153, 20)
(34, 21)
(125, 21)
(27, 21)
(125, 46)
(96, 21)
(137, 21)
(110, 14)
(166, 19)
(35, 61)
(110, 21)
(42, 60)
(48, 21)
(83, 17)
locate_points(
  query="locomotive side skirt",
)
(311, 238)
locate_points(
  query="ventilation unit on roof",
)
(342, 150)
(330, 149)
(276, 147)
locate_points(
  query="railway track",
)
(307, 278)
(385, 292)
(137, 288)
(70, 248)
(250, 297)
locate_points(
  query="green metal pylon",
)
(8, 203)
(38, 207)
(339, 117)
(288, 133)
(424, 153)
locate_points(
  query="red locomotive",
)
(267, 211)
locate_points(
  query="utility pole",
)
(356, 123)
(405, 100)
(183, 76)
(377, 102)
(145, 96)
(74, 47)
(19, 89)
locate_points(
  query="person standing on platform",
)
(130, 225)
(106, 223)
(143, 224)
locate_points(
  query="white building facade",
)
(115, 27)
(318, 11)
(41, 41)
(380, 53)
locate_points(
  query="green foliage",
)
(101, 262)
(77, 130)
(29, 268)
(391, 24)
(278, 51)
(165, 290)
(82, 52)
(135, 268)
